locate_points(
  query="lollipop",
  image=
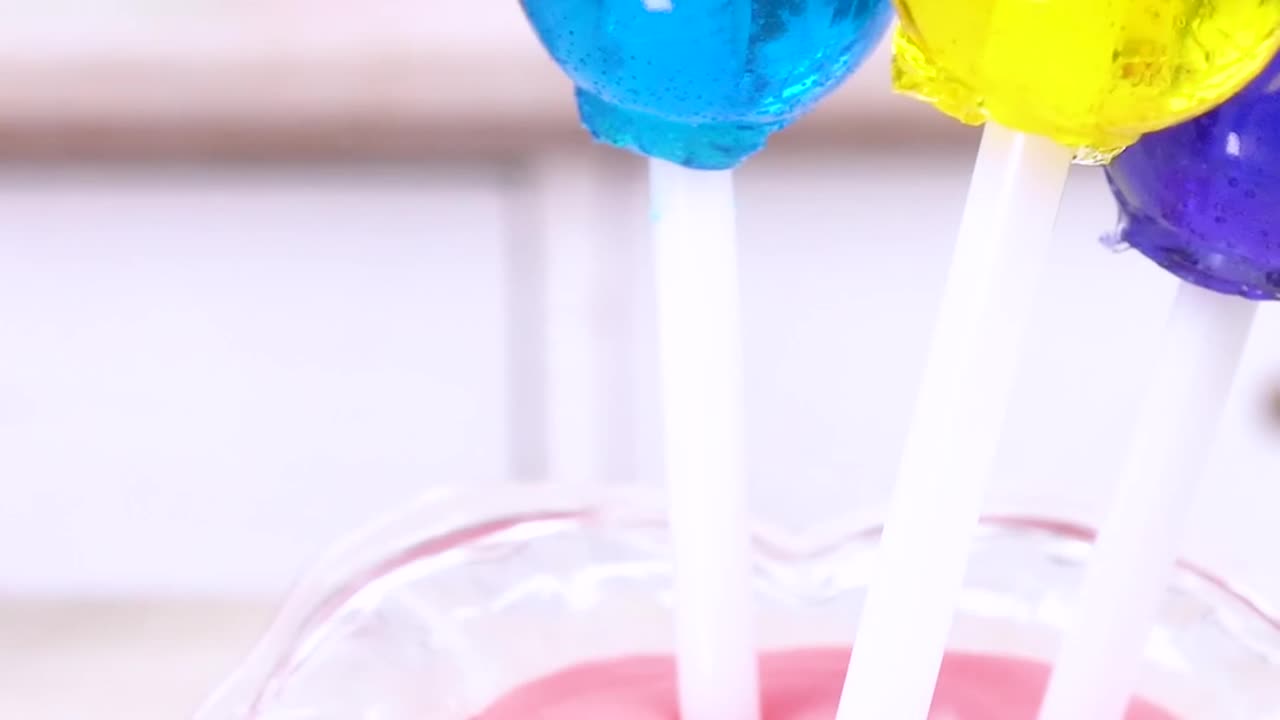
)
(1094, 75)
(700, 85)
(1057, 80)
(1201, 199)
(703, 83)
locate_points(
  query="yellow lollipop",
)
(1091, 74)
(1057, 78)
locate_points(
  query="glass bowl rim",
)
(447, 518)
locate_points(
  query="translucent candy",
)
(1091, 74)
(1202, 199)
(705, 83)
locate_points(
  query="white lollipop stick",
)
(700, 351)
(1003, 242)
(1135, 555)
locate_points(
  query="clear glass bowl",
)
(434, 613)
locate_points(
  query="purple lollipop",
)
(1202, 199)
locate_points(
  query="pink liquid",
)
(796, 685)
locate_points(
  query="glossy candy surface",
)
(1091, 74)
(1202, 199)
(706, 82)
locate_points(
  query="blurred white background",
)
(263, 279)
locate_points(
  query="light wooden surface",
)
(118, 660)
(387, 78)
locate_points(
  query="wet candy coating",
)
(705, 83)
(1091, 74)
(1202, 199)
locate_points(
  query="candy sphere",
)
(705, 82)
(1091, 74)
(1202, 199)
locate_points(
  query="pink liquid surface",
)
(796, 685)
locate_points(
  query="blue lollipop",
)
(699, 85)
(1202, 199)
(704, 83)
